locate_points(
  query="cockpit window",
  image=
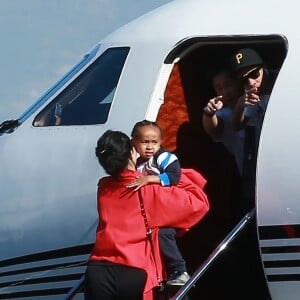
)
(87, 99)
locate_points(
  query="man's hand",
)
(250, 97)
(213, 106)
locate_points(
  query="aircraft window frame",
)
(188, 45)
(87, 99)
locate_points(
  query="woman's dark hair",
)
(138, 125)
(113, 151)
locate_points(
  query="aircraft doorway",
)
(186, 94)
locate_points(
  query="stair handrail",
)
(214, 255)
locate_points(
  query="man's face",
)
(251, 77)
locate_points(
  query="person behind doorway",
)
(217, 123)
(121, 264)
(162, 167)
(217, 114)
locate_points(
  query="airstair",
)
(182, 292)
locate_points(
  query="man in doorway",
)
(250, 109)
(257, 81)
(248, 114)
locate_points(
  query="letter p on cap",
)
(238, 57)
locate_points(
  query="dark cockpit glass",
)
(88, 98)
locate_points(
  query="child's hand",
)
(141, 181)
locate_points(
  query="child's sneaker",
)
(178, 279)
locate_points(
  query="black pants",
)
(170, 251)
(108, 281)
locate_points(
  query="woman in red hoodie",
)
(125, 263)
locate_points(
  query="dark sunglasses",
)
(252, 75)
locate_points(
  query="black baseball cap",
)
(245, 57)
